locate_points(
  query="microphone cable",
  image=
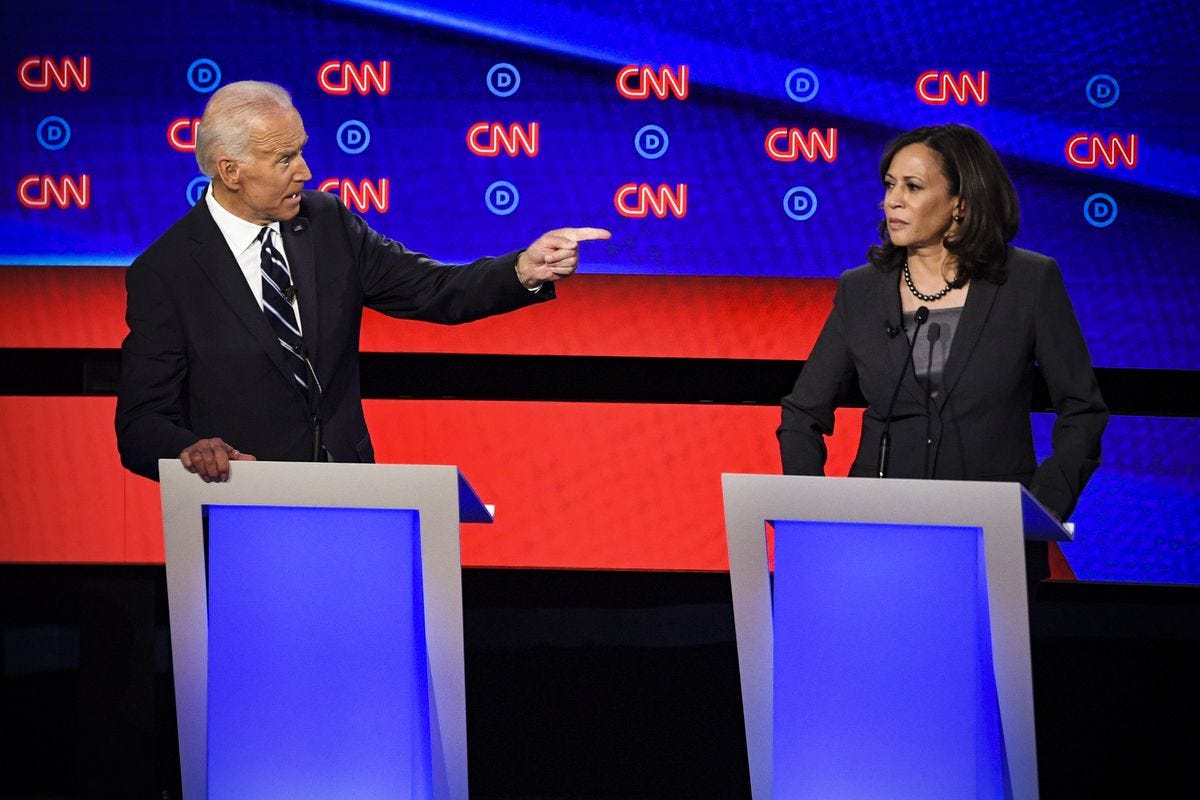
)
(885, 440)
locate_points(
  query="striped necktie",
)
(278, 296)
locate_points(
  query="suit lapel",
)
(887, 295)
(976, 310)
(212, 256)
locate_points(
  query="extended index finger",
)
(585, 234)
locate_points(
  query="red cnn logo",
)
(339, 77)
(489, 138)
(790, 144)
(1097, 149)
(936, 87)
(637, 83)
(647, 199)
(181, 134)
(37, 191)
(39, 73)
(363, 197)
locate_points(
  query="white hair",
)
(229, 116)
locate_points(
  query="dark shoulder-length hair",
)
(990, 212)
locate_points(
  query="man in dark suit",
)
(244, 316)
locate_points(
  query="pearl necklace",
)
(927, 298)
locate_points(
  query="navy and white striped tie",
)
(278, 296)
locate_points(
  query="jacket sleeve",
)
(402, 283)
(1080, 412)
(808, 412)
(149, 418)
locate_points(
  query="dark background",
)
(582, 684)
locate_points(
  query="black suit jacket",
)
(981, 423)
(201, 359)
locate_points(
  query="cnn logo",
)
(1089, 150)
(640, 82)
(638, 200)
(489, 139)
(42, 73)
(342, 77)
(362, 196)
(40, 191)
(792, 144)
(181, 134)
(937, 88)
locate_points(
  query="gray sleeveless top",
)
(933, 345)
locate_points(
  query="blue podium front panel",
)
(317, 682)
(883, 678)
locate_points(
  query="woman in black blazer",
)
(951, 397)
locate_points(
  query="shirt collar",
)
(239, 234)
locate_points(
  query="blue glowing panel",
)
(883, 670)
(317, 666)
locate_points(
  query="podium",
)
(316, 629)
(887, 654)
